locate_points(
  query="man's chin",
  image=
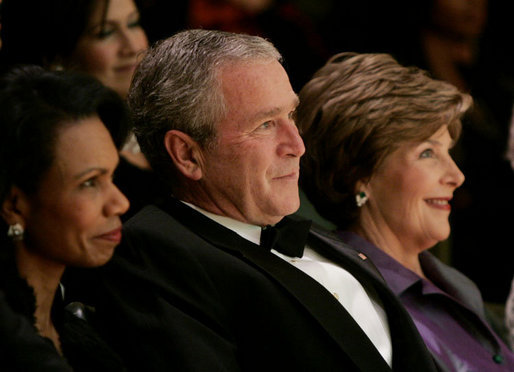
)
(289, 208)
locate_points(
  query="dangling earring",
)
(15, 232)
(361, 198)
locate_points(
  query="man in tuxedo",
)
(216, 278)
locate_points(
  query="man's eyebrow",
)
(274, 111)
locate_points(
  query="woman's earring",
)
(15, 232)
(361, 198)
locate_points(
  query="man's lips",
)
(113, 235)
(292, 175)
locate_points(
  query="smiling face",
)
(73, 218)
(409, 195)
(110, 48)
(251, 172)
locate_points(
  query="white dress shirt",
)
(363, 307)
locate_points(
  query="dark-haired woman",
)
(59, 206)
(102, 38)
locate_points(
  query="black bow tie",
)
(288, 236)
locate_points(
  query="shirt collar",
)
(398, 277)
(245, 230)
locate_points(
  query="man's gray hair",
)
(176, 86)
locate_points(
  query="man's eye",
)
(265, 125)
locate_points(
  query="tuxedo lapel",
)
(327, 311)
(322, 305)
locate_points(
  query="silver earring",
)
(361, 199)
(15, 232)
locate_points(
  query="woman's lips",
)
(439, 203)
(127, 68)
(113, 235)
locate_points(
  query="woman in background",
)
(59, 207)
(378, 137)
(102, 38)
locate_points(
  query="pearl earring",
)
(361, 198)
(15, 232)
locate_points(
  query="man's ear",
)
(15, 207)
(185, 153)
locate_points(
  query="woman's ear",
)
(362, 193)
(361, 186)
(15, 207)
(185, 153)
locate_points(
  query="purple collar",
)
(398, 277)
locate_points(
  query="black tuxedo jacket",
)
(183, 293)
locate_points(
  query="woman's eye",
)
(89, 183)
(134, 24)
(428, 153)
(104, 33)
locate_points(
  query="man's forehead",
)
(243, 71)
(263, 84)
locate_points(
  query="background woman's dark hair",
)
(44, 33)
(34, 104)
